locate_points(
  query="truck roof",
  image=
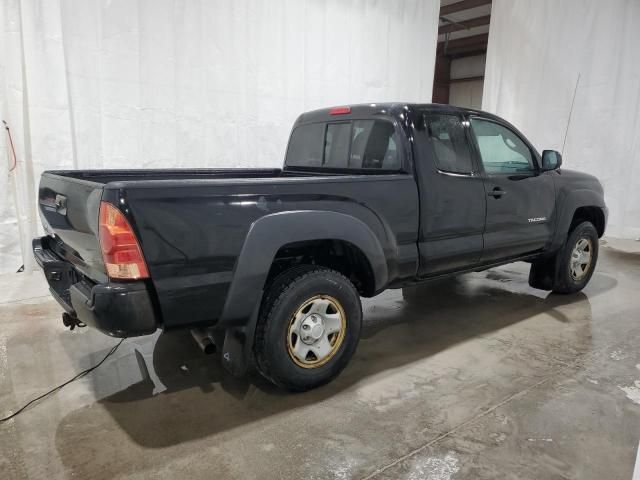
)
(386, 108)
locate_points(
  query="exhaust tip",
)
(204, 341)
(210, 349)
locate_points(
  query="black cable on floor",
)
(54, 390)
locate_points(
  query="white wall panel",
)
(539, 51)
(189, 83)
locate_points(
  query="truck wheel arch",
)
(578, 205)
(339, 255)
(265, 238)
(590, 213)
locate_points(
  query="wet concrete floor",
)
(484, 377)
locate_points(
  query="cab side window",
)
(450, 146)
(501, 150)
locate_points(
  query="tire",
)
(301, 298)
(559, 273)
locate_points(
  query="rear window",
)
(336, 144)
(306, 145)
(358, 144)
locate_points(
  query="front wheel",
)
(572, 267)
(308, 328)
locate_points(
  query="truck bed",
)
(192, 224)
(107, 176)
(69, 202)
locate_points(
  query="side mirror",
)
(551, 160)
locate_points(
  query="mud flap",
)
(543, 273)
(237, 348)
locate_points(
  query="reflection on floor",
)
(480, 377)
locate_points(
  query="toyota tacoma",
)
(271, 263)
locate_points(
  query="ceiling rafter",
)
(462, 5)
(474, 43)
(463, 25)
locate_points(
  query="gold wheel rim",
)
(316, 331)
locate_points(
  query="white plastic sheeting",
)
(188, 83)
(541, 54)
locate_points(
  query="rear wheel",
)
(308, 328)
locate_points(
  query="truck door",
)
(452, 196)
(520, 198)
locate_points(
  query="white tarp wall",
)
(539, 50)
(187, 83)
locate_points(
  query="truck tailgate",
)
(69, 208)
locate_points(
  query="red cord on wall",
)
(13, 149)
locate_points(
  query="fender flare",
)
(573, 200)
(265, 237)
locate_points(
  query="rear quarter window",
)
(449, 143)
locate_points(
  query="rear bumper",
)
(117, 309)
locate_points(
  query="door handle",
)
(497, 192)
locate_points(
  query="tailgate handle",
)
(61, 204)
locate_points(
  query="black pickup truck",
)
(271, 263)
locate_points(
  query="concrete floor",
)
(485, 378)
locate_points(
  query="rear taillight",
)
(120, 249)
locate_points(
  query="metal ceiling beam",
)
(475, 43)
(465, 41)
(464, 25)
(466, 79)
(462, 5)
(470, 52)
